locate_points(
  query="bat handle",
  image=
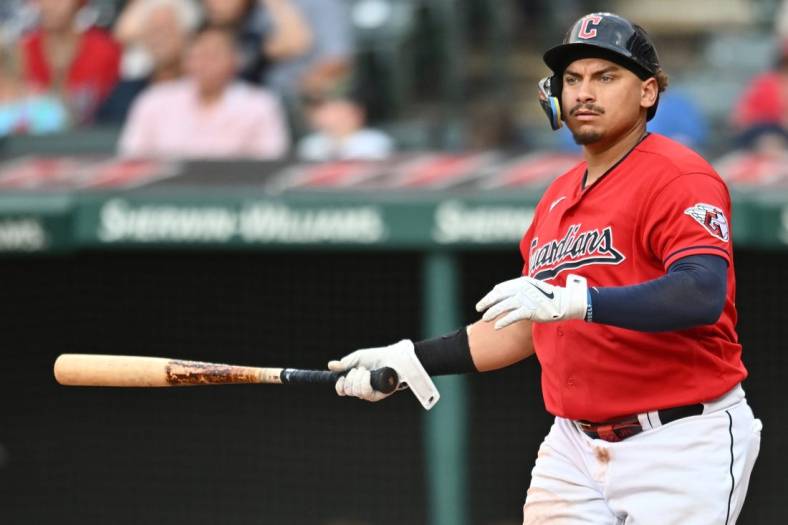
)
(383, 380)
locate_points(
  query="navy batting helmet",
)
(598, 35)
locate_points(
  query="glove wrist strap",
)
(578, 300)
(589, 308)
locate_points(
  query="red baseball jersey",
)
(660, 203)
(92, 73)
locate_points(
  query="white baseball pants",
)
(692, 471)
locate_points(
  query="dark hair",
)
(228, 34)
(346, 88)
(246, 12)
(662, 80)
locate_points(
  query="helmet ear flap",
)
(550, 100)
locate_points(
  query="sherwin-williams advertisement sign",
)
(425, 202)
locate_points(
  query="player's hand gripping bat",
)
(137, 371)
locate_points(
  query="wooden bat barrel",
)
(138, 371)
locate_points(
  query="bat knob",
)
(384, 380)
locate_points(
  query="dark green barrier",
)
(35, 223)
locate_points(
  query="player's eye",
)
(570, 80)
(606, 78)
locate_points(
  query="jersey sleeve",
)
(690, 215)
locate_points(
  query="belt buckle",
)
(608, 433)
(585, 426)
(612, 431)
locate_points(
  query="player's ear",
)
(649, 89)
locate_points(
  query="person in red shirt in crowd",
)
(80, 65)
(761, 114)
(23, 111)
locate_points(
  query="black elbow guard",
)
(447, 354)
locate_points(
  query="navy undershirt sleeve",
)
(692, 293)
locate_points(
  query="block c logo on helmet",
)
(586, 33)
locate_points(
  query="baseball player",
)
(627, 299)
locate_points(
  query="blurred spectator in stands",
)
(80, 64)
(337, 120)
(781, 20)
(23, 111)
(208, 114)
(677, 117)
(167, 26)
(680, 118)
(288, 43)
(135, 61)
(329, 58)
(131, 31)
(491, 125)
(764, 139)
(267, 31)
(764, 104)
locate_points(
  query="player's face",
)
(603, 100)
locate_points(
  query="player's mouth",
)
(586, 112)
(586, 115)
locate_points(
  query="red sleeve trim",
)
(697, 250)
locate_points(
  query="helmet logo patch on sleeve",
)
(586, 33)
(712, 218)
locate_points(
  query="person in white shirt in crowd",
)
(337, 121)
(209, 113)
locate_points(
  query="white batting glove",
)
(401, 357)
(528, 298)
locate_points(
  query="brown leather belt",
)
(622, 428)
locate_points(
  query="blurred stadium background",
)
(294, 250)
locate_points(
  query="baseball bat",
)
(138, 371)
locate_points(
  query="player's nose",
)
(585, 92)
